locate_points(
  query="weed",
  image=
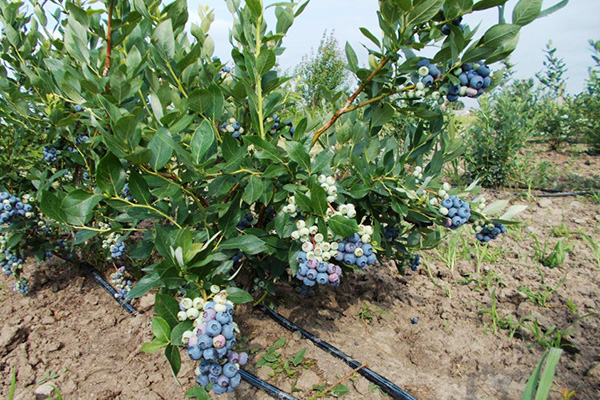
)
(572, 306)
(492, 278)
(452, 248)
(540, 382)
(566, 394)
(48, 375)
(594, 246)
(368, 315)
(13, 384)
(489, 254)
(561, 231)
(541, 297)
(555, 257)
(272, 358)
(497, 322)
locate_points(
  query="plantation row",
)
(127, 144)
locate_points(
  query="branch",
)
(346, 108)
(108, 39)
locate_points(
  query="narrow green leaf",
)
(248, 244)
(424, 11)
(174, 358)
(144, 285)
(164, 38)
(138, 188)
(352, 58)
(161, 329)
(318, 198)
(202, 140)
(547, 377)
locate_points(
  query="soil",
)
(71, 334)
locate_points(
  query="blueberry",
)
(322, 278)
(464, 81)
(308, 282)
(463, 212)
(452, 212)
(349, 258)
(484, 71)
(414, 320)
(229, 370)
(434, 71)
(213, 328)
(452, 97)
(210, 354)
(301, 257)
(202, 380)
(372, 259)
(195, 352)
(223, 317)
(476, 82)
(367, 249)
(354, 238)
(423, 63)
(428, 80)
(447, 202)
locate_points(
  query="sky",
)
(569, 29)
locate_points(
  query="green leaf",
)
(495, 207)
(298, 153)
(144, 285)
(303, 201)
(167, 308)
(318, 198)
(485, 4)
(51, 206)
(321, 162)
(84, 235)
(238, 296)
(76, 42)
(202, 140)
(545, 385)
(248, 244)
(154, 346)
(352, 58)
(110, 175)
(254, 189)
(340, 390)
(268, 150)
(208, 102)
(553, 9)
(343, 226)
(174, 358)
(161, 329)
(298, 357)
(197, 392)
(164, 39)
(78, 206)
(424, 11)
(138, 188)
(177, 332)
(370, 36)
(512, 211)
(266, 61)
(526, 11)
(162, 150)
(279, 343)
(501, 36)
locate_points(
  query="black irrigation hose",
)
(248, 377)
(388, 387)
(98, 278)
(267, 387)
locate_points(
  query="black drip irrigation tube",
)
(246, 376)
(102, 282)
(387, 386)
(267, 387)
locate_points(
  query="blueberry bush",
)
(146, 152)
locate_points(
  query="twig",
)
(350, 100)
(348, 375)
(108, 39)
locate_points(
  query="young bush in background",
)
(501, 128)
(587, 104)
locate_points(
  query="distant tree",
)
(322, 73)
(552, 77)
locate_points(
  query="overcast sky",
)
(569, 29)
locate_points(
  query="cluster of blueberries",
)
(49, 153)
(354, 252)
(117, 250)
(212, 342)
(390, 233)
(246, 222)
(80, 139)
(277, 126)
(311, 271)
(21, 285)
(119, 281)
(125, 193)
(233, 127)
(456, 22)
(490, 232)
(474, 79)
(414, 262)
(11, 264)
(11, 207)
(428, 72)
(458, 210)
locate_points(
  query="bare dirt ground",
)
(71, 334)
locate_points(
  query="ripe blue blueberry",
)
(213, 328)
